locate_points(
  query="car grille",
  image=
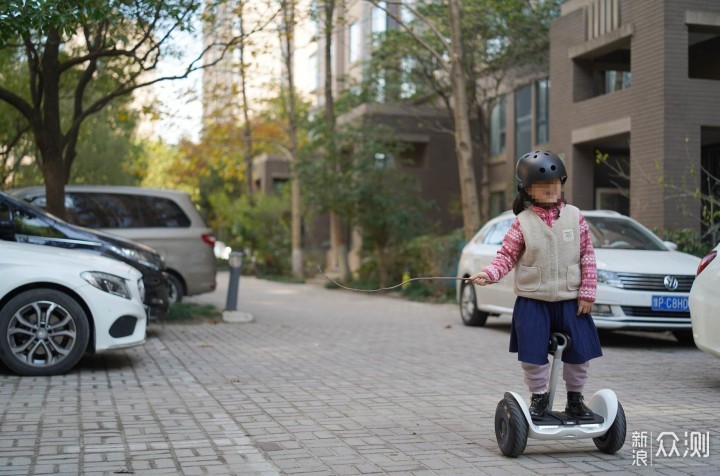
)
(648, 312)
(654, 282)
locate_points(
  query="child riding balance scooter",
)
(550, 248)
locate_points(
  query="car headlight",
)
(109, 283)
(147, 259)
(609, 278)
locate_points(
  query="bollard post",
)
(235, 263)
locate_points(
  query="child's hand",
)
(480, 279)
(584, 307)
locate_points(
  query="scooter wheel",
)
(511, 428)
(614, 439)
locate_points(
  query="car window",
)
(165, 213)
(27, 224)
(117, 210)
(621, 233)
(495, 235)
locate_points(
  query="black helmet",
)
(539, 166)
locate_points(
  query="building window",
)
(407, 86)
(383, 160)
(380, 87)
(413, 154)
(523, 120)
(617, 80)
(497, 203)
(616, 199)
(379, 18)
(497, 127)
(354, 43)
(542, 131)
(606, 74)
(703, 52)
(406, 11)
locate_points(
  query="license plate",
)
(670, 303)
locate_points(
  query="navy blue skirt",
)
(533, 321)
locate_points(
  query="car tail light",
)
(209, 238)
(707, 259)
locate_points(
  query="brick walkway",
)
(335, 383)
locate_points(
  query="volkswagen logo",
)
(671, 283)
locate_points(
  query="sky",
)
(180, 100)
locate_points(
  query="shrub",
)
(688, 241)
(424, 256)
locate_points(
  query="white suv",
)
(165, 220)
(643, 282)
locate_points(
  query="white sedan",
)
(643, 282)
(705, 303)
(56, 305)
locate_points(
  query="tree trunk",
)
(382, 264)
(47, 130)
(55, 180)
(337, 237)
(463, 138)
(297, 251)
(484, 157)
(247, 131)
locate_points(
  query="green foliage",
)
(106, 151)
(688, 241)
(259, 225)
(433, 255)
(497, 35)
(423, 256)
(186, 313)
(14, 130)
(356, 173)
(76, 58)
(159, 166)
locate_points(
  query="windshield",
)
(621, 234)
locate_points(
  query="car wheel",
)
(469, 312)
(684, 337)
(42, 332)
(614, 439)
(176, 290)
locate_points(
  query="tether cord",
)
(455, 278)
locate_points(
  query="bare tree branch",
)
(441, 59)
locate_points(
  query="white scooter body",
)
(604, 403)
(513, 423)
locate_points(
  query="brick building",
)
(640, 81)
(636, 81)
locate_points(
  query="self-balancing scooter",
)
(513, 424)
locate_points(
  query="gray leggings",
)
(537, 377)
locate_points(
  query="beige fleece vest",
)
(549, 267)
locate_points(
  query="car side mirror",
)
(671, 246)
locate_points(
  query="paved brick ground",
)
(335, 383)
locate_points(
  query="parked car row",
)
(49, 316)
(165, 220)
(25, 223)
(643, 282)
